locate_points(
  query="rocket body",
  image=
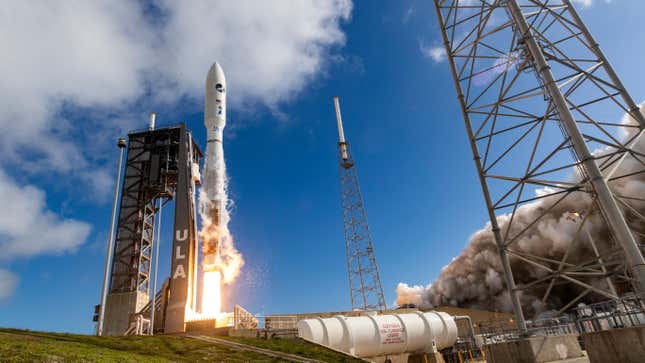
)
(214, 176)
(215, 104)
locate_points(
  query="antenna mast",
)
(366, 291)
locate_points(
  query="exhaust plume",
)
(218, 238)
(475, 278)
(221, 261)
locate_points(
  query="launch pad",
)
(238, 319)
(161, 166)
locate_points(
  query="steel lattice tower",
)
(542, 108)
(158, 167)
(365, 289)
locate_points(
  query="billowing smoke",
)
(230, 260)
(474, 279)
(214, 212)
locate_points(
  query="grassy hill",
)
(32, 346)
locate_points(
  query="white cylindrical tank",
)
(372, 336)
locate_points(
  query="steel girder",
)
(552, 130)
(366, 291)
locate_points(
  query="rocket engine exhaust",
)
(475, 279)
(221, 261)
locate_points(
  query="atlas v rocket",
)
(214, 175)
(215, 108)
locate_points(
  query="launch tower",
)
(366, 291)
(542, 108)
(161, 165)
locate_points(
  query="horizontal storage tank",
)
(373, 336)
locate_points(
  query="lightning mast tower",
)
(365, 289)
(542, 108)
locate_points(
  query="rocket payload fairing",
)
(215, 104)
(214, 178)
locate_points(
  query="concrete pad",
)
(118, 309)
(244, 333)
(534, 350)
(426, 358)
(584, 359)
(616, 345)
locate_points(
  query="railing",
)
(613, 314)
(168, 127)
(145, 311)
(468, 355)
(243, 319)
(279, 322)
(138, 325)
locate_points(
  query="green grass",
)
(298, 347)
(31, 346)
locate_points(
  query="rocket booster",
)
(215, 104)
(214, 178)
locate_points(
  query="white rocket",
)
(214, 177)
(215, 104)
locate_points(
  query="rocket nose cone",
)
(215, 102)
(216, 74)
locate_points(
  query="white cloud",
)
(436, 53)
(8, 282)
(105, 53)
(81, 52)
(108, 55)
(269, 50)
(584, 3)
(29, 228)
(408, 14)
(587, 3)
(110, 60)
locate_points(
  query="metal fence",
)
(279, 322)
(613, 314)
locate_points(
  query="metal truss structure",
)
(150, 174)
(161, 165)
(552, 130)
(365, 288)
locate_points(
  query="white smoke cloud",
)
(406, 294)
(475, 278)
(8, 283)
(107, 58)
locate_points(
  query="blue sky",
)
(91, 72)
